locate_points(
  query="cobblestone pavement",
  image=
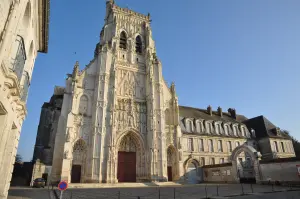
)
(177, 192)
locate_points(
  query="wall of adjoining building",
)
(218, 173)
(38, 170)
(283, 171)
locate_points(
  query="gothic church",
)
(117, 120)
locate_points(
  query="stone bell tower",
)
(113, 115)
(129, 114)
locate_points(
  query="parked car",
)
(39, 182)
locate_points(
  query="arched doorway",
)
(130, 150)
(245, 164)
(79, 157)
(171, 161)
(191, 171)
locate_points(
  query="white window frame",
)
(220, 146)
(190, 144)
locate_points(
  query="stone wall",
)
(282, 170)
(38, 170)
(218, 173)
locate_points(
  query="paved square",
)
(174, 192)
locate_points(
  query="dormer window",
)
(138, 44)
(218, 129)
(226, 129)
(189, 126)
(209, 127)
(235, 130)
(199, 126)
(123, 40)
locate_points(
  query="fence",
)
(180, 192)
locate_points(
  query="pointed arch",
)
(251, 155)
(138, 44)
(78, 161)
(172, 165)
(131, 143)
(123, 40)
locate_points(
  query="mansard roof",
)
(264, 128)
(195, 113)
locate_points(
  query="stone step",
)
(117, 185)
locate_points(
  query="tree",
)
(18, 158)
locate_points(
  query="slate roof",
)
(264, 128)
(195, 113)
(189, 112)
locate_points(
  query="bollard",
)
(205, 192)
(251, 187)
(71, 195)
(272, 187)
(217, 190)
(138, 197)
(158, 193)
(174, 194)
(119, 195)
(242, 188)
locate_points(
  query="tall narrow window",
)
(211, 145)
(209, 128)
(18, 62)
(138, 44)
(226, 129)
(236, 130)
(83, 105)
(198, 127)
(220, 147)
(25, 87)
(212, 161)
(237, 143)
(229, 146)
(275, 146)
(202, 161)
(221, 160)
(243, 131)
(123, 40)
(201, 127)
(190, 144)
(189, 126)
(201, 146)
(192, 126)
(218, 129)
(282, 147)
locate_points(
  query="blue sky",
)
(241, 54)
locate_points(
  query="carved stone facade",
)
(120, 105)
(23, 33)
(116, 104)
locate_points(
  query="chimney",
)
(209, 110)
(220, 112)
(232, 112)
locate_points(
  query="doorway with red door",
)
(126, 166)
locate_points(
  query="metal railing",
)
(179, 192)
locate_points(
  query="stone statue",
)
(66, 154)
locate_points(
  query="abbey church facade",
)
(117, 120)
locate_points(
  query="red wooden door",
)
(126, 166)
(170, 173)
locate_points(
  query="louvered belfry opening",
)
(138, 44)
(123, 40)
